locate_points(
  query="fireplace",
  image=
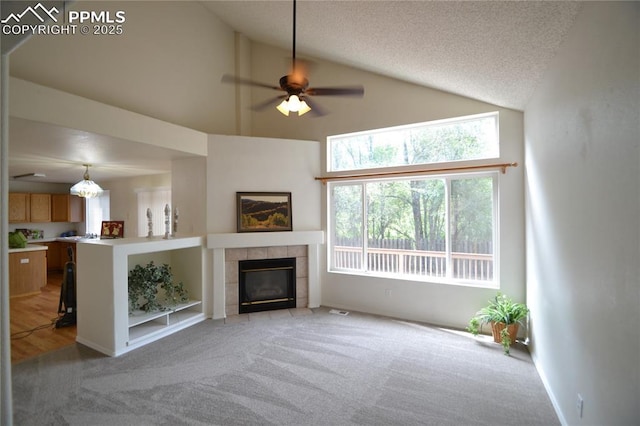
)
(266, 284)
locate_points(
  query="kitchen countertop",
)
(74, 239)
(29, 247)
(34, 245)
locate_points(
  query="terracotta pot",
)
(497, 327)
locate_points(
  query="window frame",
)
(415, 126)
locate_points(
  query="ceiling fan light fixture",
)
(284, 107)
(304, 108)
(293, 104)
(86, 188)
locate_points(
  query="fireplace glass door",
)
(267, 284)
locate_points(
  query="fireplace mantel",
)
(264, 239)
(219, 242)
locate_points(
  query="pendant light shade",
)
(86, 188)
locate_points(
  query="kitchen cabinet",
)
(67, 208)
(27, 271)
(57, 254)
(24, 208)
(53, 256)
(64, 253)
(19, 207)
(40, 209)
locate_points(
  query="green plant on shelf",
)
(145, 283)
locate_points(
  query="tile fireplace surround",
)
(230, 248)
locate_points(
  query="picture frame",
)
(112, 229)
(263, 211)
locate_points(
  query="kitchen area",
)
(45, 228)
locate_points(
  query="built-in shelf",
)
(140, 317)
(152, 327)
(104, 323)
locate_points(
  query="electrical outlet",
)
(387, 292)
(579, 405)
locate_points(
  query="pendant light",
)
(86, 188)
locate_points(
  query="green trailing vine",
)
(145, 283)
(505, 340)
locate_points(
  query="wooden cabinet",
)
(64, 253)
(66, 208)
(25, 207)
(40, 208)
(19, 207)
(57, 254)
(27, 272)
(53, 256)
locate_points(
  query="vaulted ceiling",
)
(492, 51)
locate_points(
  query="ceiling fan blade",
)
(316, 109)
(227, 78)
(336, 91)
(268, 103)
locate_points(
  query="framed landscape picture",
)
(264, 211)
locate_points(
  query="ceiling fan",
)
(297, 97)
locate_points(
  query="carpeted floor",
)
(279, 369)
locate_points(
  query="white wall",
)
(124, 200)
(167, 64)
(239, 164)
(583, 208)
(189, 194)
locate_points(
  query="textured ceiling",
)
(491, 51)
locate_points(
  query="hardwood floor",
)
(33, 319)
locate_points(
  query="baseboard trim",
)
(547, 386)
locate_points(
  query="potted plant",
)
(144, 283)
(505, 317)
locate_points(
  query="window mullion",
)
(365, 229)
(447, 218)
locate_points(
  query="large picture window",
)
(440, 228)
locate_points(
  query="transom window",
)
(466, 138)
(440, 228)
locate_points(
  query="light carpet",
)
(279, 369)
